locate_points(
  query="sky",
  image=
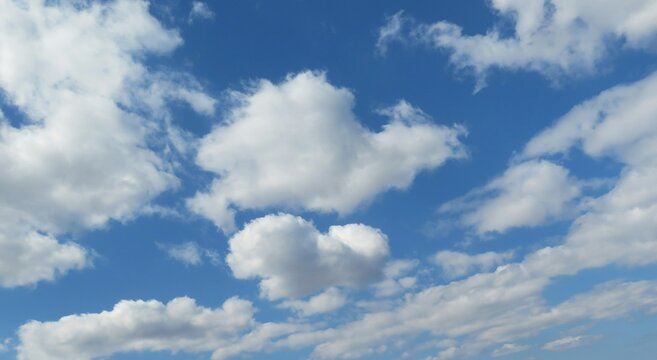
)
(328, 180)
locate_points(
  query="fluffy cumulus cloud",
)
(72, 118)
(553, 37)
(292, 258)
(455, 264)
(527, 194)
(487, 310)
(179, 325)
(298, 145)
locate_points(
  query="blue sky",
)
(291, 180)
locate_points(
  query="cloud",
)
(616, 228)
(395, 282)
(190, 253)
(390, 32)
(293, 258)
(456, 264)
(481, 311)
(29, 257)
(568, 342)
(552, 37)
(5, 345)
(74, 117)
(298, 145)
(508, 349)
(527, 194)
(618, 123)
(330, 300)
(179, 325)
(200, 11)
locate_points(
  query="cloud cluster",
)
(78, 102)
(617, 228)
(552, 37)
(293, 258)
(298, 145)
(179, 325)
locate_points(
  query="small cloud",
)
(330, 300)
(569, 342)
(5, 345)
(456, 264)
(508, 349)
(200, 11)
(391, 31)
(190, 253)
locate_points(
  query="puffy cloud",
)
(200, 11)
(179, 325)
(28, 257)
(553, 37)
(298, 145)
(190, 253)
(527, 194)
(76, 116)
(456, 264)
(330, 300)
(615, 228)
(293, 258)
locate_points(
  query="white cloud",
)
(179, 325)
(616, 228)
(28, 257)
(568, 342)
(553, 37)
(527, 194)
(482, 311)
(80, 113)
(618, 123)
(330, 300)
(508, 349)
(5, 345)
(190, 253)
(293, 258)
(390, 32)
(298, 145)
(200, 11)
(395, 282)
(456, 264)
